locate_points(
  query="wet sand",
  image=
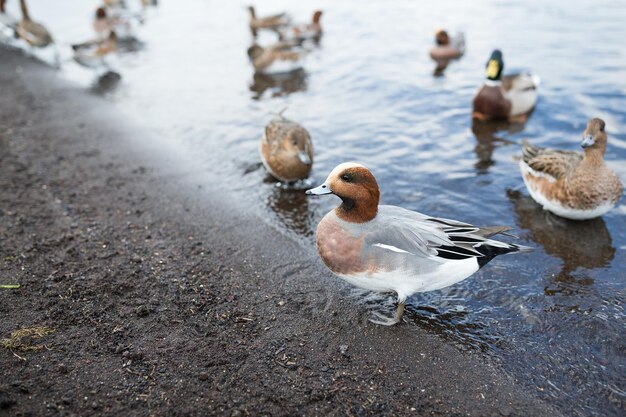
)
(168, 298)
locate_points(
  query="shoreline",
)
(167, 299)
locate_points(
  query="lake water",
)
(554, 319)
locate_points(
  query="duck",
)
(35, 34)
(570, 184)
(286, 150)
(387, 248)
(102, 25)
(303, 32)
(273, 22)
(275, 59)
(505, 97)
(447, 48)
(91, 54)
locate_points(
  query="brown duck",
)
(569, 184)
(286, 150)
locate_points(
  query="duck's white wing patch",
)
(390, 247)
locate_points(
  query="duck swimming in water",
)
(303, 32)
(570, 184)
(273, 22)
(505, 97)
(277, 58)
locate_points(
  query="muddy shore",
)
(167, 298)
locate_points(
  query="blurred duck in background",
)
(569, 184)
(35, 34)
(446, 49)
(303, 32)
(92, 54)
(505, 97)
(286, 150)
(275, 59)
(274, 22)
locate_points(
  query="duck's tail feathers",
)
(529, 151)
(492, 248)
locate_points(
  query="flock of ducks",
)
(379, 247)
(112, 24)
(391, 249)
(287, 52)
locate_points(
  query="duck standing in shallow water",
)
(388, 248)
(35, 34)
(569, 184)
(286, 150)
(505, 97)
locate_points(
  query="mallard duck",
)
(273, 22)
(286, 150)
(277, 58)
(569, 184)
(447, 48)
(388, 248)
(306, 31)
(35, 34)
(508, 97)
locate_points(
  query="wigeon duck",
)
(286, 150)
(302, 32)
(273, 22)
(275, 59)
(35, 34)
(569, 184)
(388, 248)
(505, 97)
(447, 48)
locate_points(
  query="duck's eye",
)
(346, 177)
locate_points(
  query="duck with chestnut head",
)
(391, 249)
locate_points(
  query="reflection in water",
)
(279, 84)
(585, 244)
(106, 83)
(487, 141)
(442, 64)
(292, 209)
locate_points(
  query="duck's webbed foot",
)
(389, 321)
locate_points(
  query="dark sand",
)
(167, 298)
